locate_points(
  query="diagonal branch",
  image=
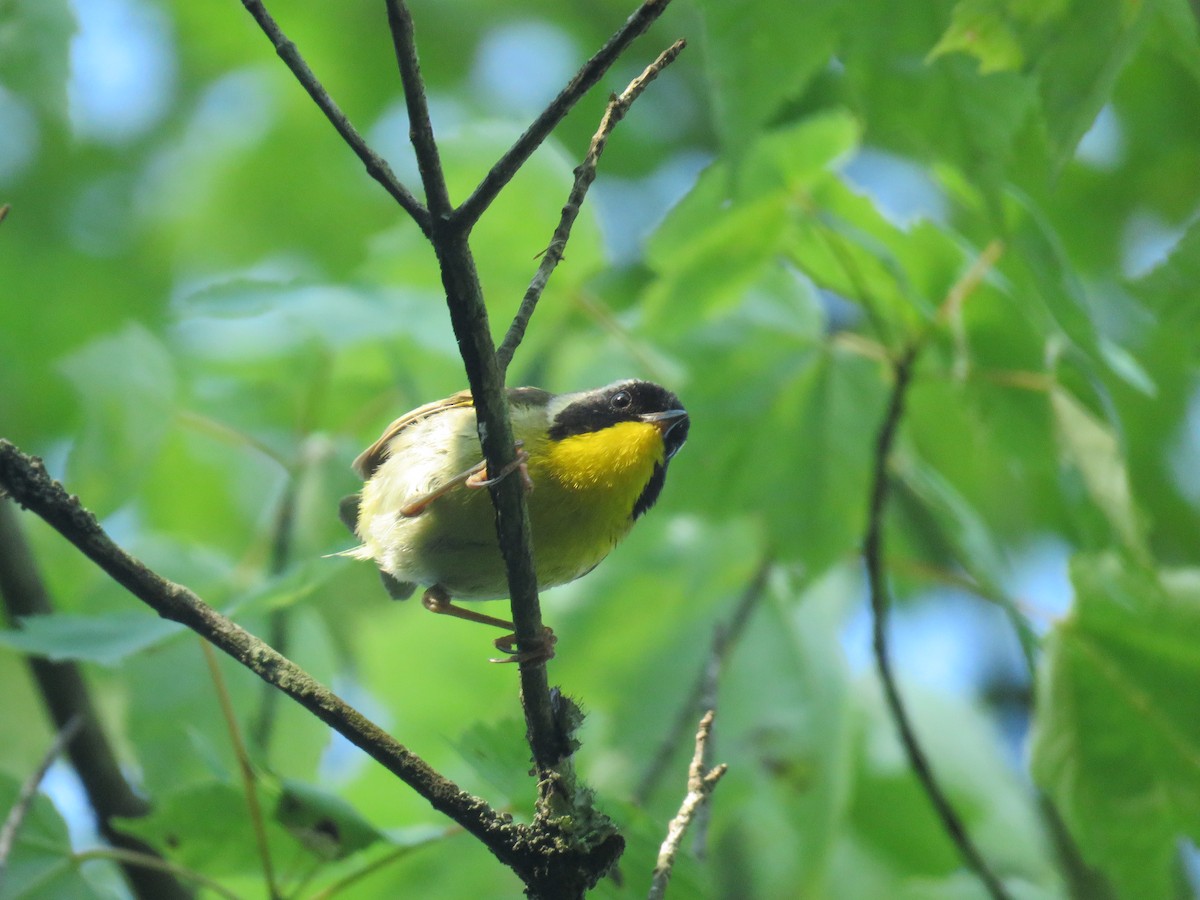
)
(509, 164)
(25, 479)
(873, 554)
(376, 165)
(585, 174)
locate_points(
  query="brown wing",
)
(373, 457)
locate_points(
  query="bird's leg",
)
(436, 600)
(474, 477)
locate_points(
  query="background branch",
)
(377, 167)
(700, 786)
(26, 481)
(585, 174)
(67, 699)
(509, 164)
(873, 553)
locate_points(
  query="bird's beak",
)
(665, 420)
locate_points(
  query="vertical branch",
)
(468, 316)
(873, 553)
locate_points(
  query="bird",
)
(593, 462)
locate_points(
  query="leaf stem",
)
(245, 769)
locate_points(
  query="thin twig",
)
(245, 769)
(700, 697)
(376, 165)
(26, 481)
(66, 696)
(585, 174)
(700, 785)
(509, 164)
(873, 553)
(16, 815)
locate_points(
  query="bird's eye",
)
(621, 400)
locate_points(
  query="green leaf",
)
(981, 29)
(126, 388)
(1169, 288)
(1116, 742)
(324, 823)
(761, 55)
(943, 113)
(1080, 53)
(796, 445)
(499, 754)
(35, 37)
(727, 232)
(1091, 447)
(967, 533)
(106, 639)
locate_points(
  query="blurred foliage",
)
(207, 309)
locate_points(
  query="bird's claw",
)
(543, 652)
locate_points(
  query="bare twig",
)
(66, 696)
(16, 815)
(509, 164)
(245, 769)
(376, 165)
(585, 174)
(700, 785)
(873, 553)
(25, 479)
(702, 695)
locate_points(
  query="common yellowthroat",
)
(593, 461)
